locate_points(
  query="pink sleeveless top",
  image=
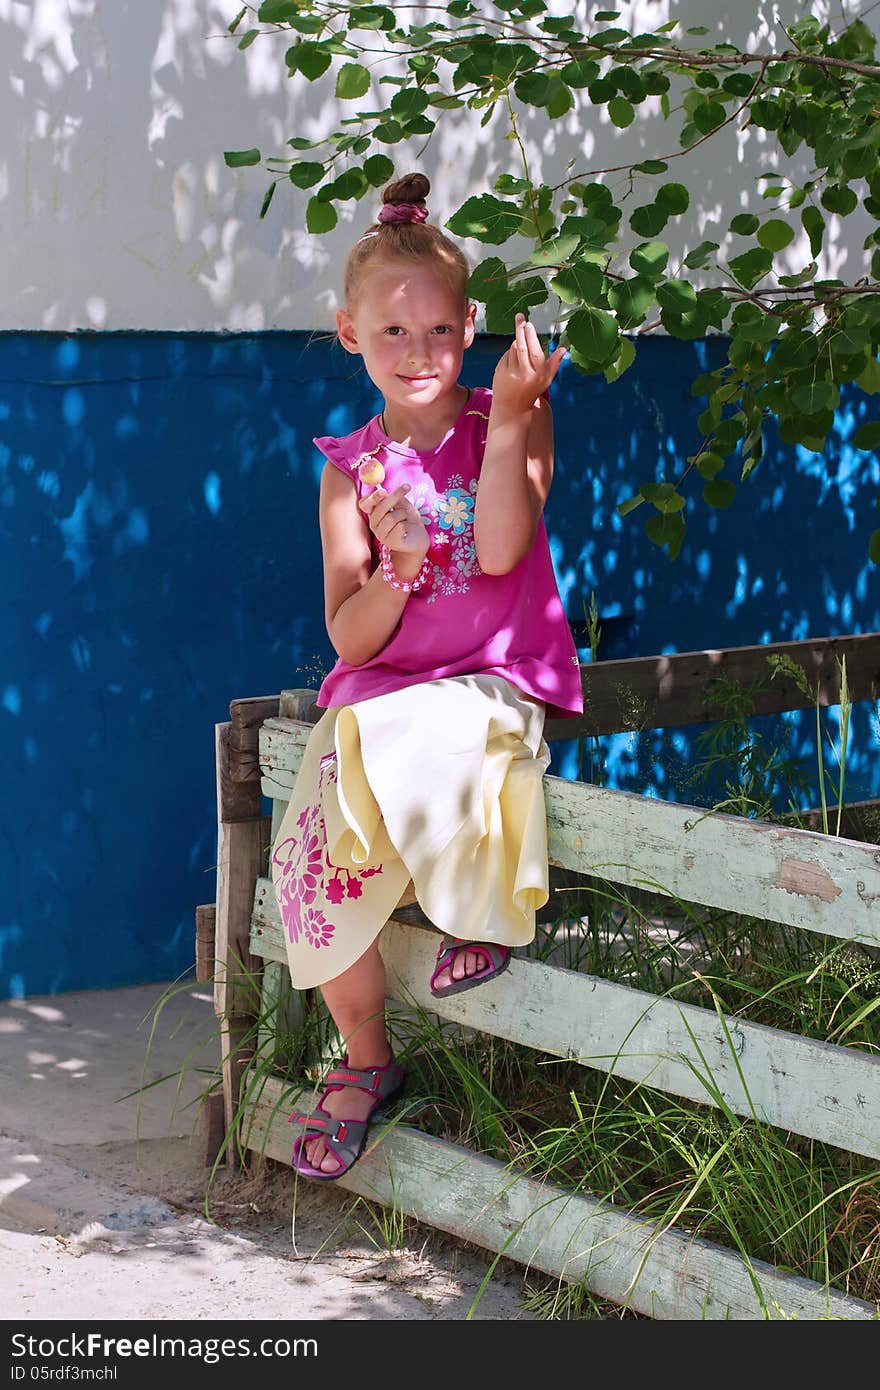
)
(463, 622)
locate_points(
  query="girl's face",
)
(411, 326)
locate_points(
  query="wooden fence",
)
(801, 878)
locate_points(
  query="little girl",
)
(424, 775)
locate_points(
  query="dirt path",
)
(102, 1199)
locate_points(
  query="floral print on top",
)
(463, 621)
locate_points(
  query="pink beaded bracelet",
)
(407, 585)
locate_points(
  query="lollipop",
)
(371, 471)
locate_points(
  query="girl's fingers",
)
(522, 347)
(380, 502)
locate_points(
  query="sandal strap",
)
(450, 947)
(377, 1081)
(341, 1134)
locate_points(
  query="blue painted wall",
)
(161, 557)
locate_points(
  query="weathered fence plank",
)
(667, 692)
(661, 1273)
(804, 1085)
(800, 878)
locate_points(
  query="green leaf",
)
(320, 216)
(352, 183)
(631, 300)
(751, 267)
(709, 464)
(874, 548)
(277, 11)
(507, 183)
(352, 81)
(594, 335)
(673, 198)
(371, 17)
(868, 436)
(677, 295)
(762, 329)
(621, 112)
(607, 37)
(793, 281)
(304, 175)
(738, 84)
(624, 359)
(648, 220)
(720, 492)
(560, 100)
(652, 166)
(582, 282)
(708, 115)
(231, 28)
(666, 530)
(378, 169)
(487, 219)
(554, 252)
(630, 503)
(519, 296)
(487, 278)
(767, 112)
(869, 379)
(744, 223)
(308, 58)
(664, 496)
(389, 132)
(697, 258)
(839, 198)
(267, 198)
(247, 39)
(649, 259)
(814, 225)
(687, 326)
(239, 159)
(775, 234)
(815, 396)
(850, 334)
(580, 73)
(533, 88)
(409, 103)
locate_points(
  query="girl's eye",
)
(443, 328)
(393, 330)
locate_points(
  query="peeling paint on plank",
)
(810, 880)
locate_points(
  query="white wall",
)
(118, 212)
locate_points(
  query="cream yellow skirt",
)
(437, 788)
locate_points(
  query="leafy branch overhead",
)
(594, 245)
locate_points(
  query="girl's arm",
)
(517, 466)
(361, 610)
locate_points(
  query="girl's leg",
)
(356, 1000)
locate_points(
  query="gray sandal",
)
(496, 960)
(345, 1138)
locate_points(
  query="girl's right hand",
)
(394, 521)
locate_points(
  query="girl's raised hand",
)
(394, 521)
(524, 373)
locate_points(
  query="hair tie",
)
(403, 212)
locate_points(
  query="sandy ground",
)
(103, 1192)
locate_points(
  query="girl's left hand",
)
(524, 373)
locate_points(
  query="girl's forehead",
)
(408, 284)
